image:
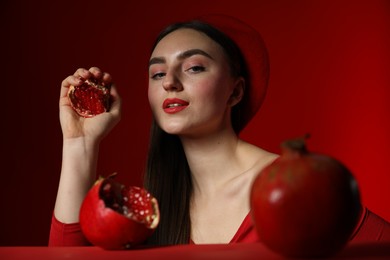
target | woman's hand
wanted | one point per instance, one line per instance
(94, 128)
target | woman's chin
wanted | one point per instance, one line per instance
(173, 129)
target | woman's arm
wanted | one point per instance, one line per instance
(81, 139)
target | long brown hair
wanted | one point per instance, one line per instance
(168, 176)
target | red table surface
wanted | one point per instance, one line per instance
(230, 251)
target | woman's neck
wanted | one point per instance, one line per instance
(213, 159)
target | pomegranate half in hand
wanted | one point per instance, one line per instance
(90, 98)
(305, 204)
(113, 216)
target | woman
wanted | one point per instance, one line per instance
(203, 89)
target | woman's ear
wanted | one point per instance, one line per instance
(238, 92)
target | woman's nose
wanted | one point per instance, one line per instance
(172, 83)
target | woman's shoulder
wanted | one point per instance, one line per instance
(258, 157)
(254, 159)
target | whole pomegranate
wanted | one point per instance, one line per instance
(113, 216)
(90, 98)
(304, 204)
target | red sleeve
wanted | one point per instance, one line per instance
(371, 227)
(246, 233)
(62, 234)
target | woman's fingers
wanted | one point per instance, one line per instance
(116, 101)
(106, 78)
(67, 82)
(83, 74)
(96, 72)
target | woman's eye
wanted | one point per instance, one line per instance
(158, 75)
(196, 69)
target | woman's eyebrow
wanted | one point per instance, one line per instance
(156, 60)
(192, 52)
(181, 56)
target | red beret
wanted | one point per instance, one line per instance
(255, 55)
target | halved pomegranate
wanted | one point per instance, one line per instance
(305, 204)
(90, 99)
(113, 216)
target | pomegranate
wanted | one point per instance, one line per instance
(90, 98)
(304, 204)
(113, 216)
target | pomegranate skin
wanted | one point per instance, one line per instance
(105, 227)
(305, 204)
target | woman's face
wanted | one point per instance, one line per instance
(190, 84)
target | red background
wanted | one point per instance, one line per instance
(330, 63)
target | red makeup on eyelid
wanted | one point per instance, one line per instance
(155, 69)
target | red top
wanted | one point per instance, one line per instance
(370, 227)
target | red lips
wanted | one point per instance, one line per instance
(174, 105)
